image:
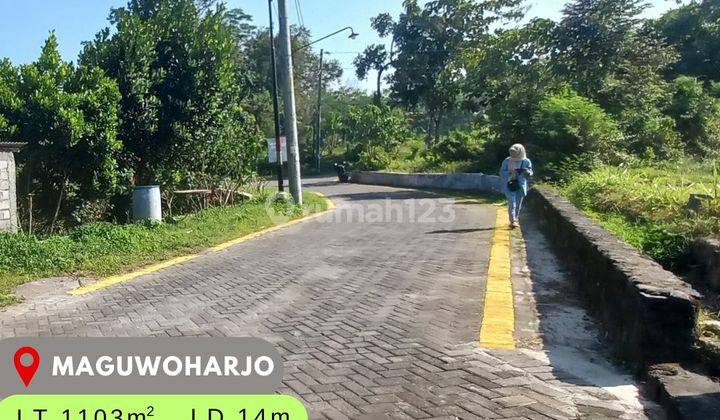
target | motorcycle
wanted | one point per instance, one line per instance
(342, 172)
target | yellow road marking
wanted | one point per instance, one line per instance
(121, 278)
(328, 202)
(109, 281)
(498, 323)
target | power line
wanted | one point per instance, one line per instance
(302, 15)
(298, 10)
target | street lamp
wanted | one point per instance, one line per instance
(352, 35)
(276, 113)
(318, 145)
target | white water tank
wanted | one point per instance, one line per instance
(147, 204)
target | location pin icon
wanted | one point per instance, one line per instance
(27, 372)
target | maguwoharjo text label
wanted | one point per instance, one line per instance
(141, 379)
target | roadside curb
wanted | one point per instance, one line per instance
(122, 278)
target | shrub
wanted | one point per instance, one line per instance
(646, 206)
(567, 123)
(697, 116)
(649, 129)
(572, 165)
(459, 145)
(375, 133)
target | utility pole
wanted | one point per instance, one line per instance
(286, 67)
(318, 140)
(276, 110)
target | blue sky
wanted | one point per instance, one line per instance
(25, 24)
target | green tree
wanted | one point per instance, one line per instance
(376, 57)
(183, 88)
(590, 38)
(569, 124)
(508, 75)
(9, 100)
(428, 42)
(69, 118)
(374, 133)
(697, 116)
(306, 63)
(337, 105)
(694, 31)
(607, 53)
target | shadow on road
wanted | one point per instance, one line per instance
(449, 231)
(389, 194)
(321, 182)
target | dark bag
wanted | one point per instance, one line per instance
(514, 184)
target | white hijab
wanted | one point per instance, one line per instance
(517, 156)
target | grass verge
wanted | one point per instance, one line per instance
(102, 249)
(647, 206)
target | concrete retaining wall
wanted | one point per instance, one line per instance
(706, 256)
(462, 182)
(650, 313)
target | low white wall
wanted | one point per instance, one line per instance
(462, 182)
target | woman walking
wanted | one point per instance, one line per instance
(514, 174)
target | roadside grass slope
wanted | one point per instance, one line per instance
(102, 249)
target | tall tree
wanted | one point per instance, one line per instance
(9, 100)
(183, 90)
(376, 57)
(429, 41)
(694, 31)
(508, 75)
(590, 38)
(697, 116)
(608, 54)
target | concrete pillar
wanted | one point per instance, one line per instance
(8, 198)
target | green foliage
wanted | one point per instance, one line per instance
(607, 55)
(9, 100)
(182, 115)
(68, 117)
(594, 38)
(650, 129)
(694, 31)
(377, 58)
(645, 205)
(427, 44)
(459, 146)
(162, 97)
(508, 76)
(374, 133)
(572, 165)
(697, 116)
(306, 63)
(659, 242)
(568, 124)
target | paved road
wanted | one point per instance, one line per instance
(376, 310)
